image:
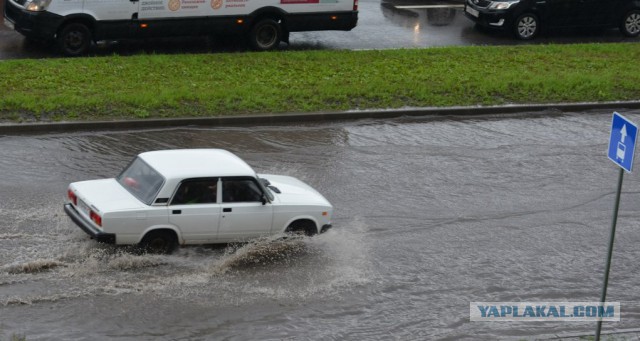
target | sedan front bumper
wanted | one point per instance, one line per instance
(484, 17)
(100, 236)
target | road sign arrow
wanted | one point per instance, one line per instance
(622, 141)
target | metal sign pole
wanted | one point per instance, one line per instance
(611, 239)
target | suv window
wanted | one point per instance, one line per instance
(241, 190)
(196, 192)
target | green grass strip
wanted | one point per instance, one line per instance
(196, 85)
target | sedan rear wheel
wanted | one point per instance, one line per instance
(631, 24)
(159, 242)
(526, 27)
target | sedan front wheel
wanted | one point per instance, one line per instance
(630, 25)
(526, 26)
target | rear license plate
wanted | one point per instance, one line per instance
(472, 11)
(83, 207)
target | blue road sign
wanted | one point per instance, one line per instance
(622, 142)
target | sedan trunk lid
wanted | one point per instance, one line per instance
(105, 195)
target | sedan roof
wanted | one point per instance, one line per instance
(196, 163)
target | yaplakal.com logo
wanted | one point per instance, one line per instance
(544, 311)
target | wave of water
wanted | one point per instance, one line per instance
(267, 267)
(37, 265)
(260, 252)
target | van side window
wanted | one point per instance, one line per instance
(196, 192)
(241, 190)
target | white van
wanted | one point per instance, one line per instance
(75, 24)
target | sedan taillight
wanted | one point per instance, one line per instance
(96, 218)
(72, 196)
(355, 5)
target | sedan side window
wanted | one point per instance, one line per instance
(196, 192)
(234, 190)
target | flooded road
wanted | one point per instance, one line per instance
(430, 215)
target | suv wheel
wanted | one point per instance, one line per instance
(526, 26)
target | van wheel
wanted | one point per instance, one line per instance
(159, 242)
(74, 39)
(265, 35)
(630, 25)
(526, 26)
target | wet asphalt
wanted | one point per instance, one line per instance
(366, 275)
(431, 214)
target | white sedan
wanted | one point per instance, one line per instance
(194, 196)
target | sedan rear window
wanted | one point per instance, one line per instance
(141, 180)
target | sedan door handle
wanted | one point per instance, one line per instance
(176, 212)
(228, 209)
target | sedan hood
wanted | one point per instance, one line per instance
(294, 191)
(106, 195)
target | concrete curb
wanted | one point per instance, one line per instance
(51, 127)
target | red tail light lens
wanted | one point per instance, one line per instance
(355, 5)
(96, 218)
(72, 196)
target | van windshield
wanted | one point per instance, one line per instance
(141, 180)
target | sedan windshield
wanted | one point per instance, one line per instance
(141, 180)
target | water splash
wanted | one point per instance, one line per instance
(7, 236)
(261, 251)
(38, 265)
(34, 299)
(125, 262)
(67, 265)
(347, 254)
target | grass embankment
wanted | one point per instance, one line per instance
(307, 81)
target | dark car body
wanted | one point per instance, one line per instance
(525, 18)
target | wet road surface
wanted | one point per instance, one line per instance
(381, 25)
(431, 214)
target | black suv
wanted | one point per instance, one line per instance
(525, 18)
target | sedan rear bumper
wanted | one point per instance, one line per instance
(100, 236)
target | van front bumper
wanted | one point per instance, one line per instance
(35, 25)
(108, 238)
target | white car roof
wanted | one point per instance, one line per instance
(196, 163)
